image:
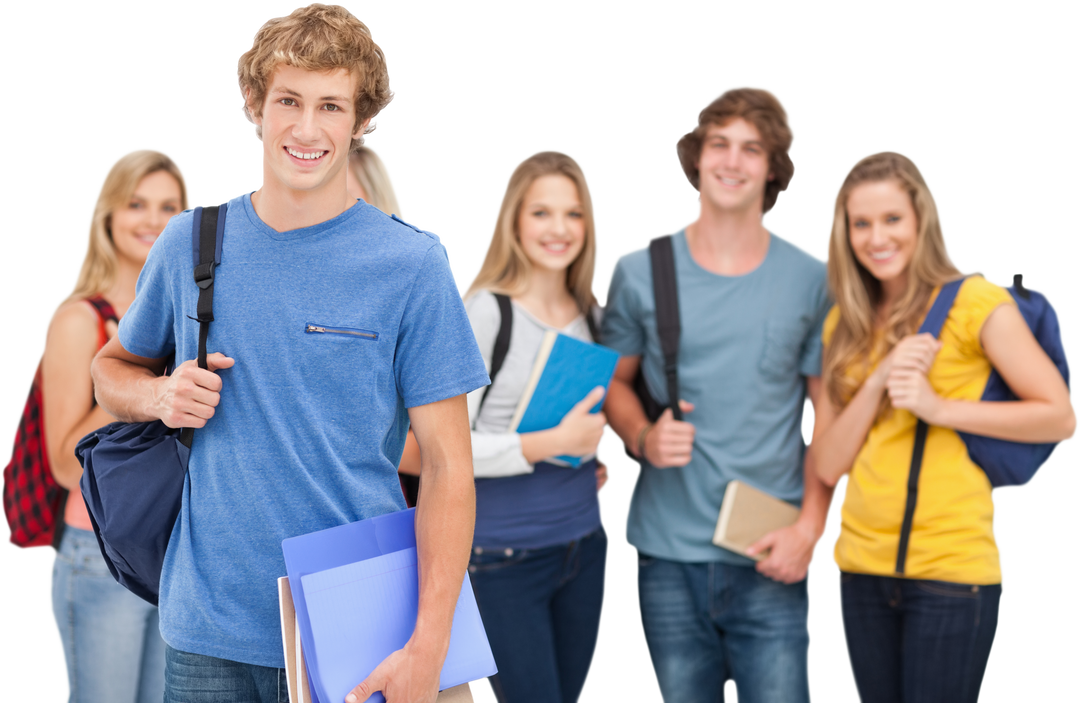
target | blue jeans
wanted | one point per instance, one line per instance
(916, 641)
(110, 636)
(541, 611)
(198, 678)
(709, 622)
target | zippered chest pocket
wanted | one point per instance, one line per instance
(369, 335)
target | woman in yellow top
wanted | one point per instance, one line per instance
(924, 634)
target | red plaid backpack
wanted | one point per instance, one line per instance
(33, 502)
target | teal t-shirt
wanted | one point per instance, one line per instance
(311, 424)
(747, 345)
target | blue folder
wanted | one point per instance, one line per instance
(568, 369)
(355, 591)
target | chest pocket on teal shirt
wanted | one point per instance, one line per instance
(783, 344)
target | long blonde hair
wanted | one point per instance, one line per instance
(99, 267)
(858, 294)
(371, 174)
(506, 267)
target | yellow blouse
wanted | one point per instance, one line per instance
(952, 536)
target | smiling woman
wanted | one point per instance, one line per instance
(538, 550)
(920, 593)
(110, 636)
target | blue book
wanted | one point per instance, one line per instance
(564, 372)
(355, 590)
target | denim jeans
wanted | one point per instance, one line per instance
(541, 610)
(110, 636)
(709, 622)
(916, 641)
(198, 678)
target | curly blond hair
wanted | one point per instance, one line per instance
(316, 38)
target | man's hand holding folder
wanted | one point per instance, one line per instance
(444, 527)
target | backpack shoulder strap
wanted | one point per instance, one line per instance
(594, 329)
(502, 342)
(666, 295)
(932, 324)
(207, 230)
(939, 311)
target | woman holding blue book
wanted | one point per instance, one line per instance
(538, 552)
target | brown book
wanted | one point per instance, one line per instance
(747, 515)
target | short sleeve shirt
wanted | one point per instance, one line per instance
(747, 345)
(311, 424)
(952, 535)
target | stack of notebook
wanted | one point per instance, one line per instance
(354, 591)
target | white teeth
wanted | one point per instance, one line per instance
(303, 155)
(882, 255)
(730, 181)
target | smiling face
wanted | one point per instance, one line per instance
(883, 230)
(135, 226)
(551, 223)
(307, 125)
(734, 166)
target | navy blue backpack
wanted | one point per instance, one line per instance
(1006, 463)
(133, 473)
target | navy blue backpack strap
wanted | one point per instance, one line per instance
(932, 324)
(502, 342)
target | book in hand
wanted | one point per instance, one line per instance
(296, 675)
(355, 592)
(747, 515)
(565, 371)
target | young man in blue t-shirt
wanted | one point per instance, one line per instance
(335, 328)
(751, 310)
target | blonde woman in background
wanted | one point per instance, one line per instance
(368, 180)
(537, 565)
(925, 634)
(111, 642)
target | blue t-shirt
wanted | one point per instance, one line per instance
(311, 426)
(747, 343)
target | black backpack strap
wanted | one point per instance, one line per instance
(666, 296)
(502, 342)
(934, 321)
(208, 226)
(594, 329)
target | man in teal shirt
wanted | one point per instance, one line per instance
(751, 311)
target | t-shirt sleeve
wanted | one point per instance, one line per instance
(810, 360)
(975, 301)
(622, 329)
(437, 356)
(147, 328)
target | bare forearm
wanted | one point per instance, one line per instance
(817, 496)
(832, 455)
(124, 390)
(537, 446)
(624, 412)
(62, 460)
(1018, 421)
(444, 529)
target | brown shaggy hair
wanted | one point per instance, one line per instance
(865, 331)
(761, 109)
(317, 38)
